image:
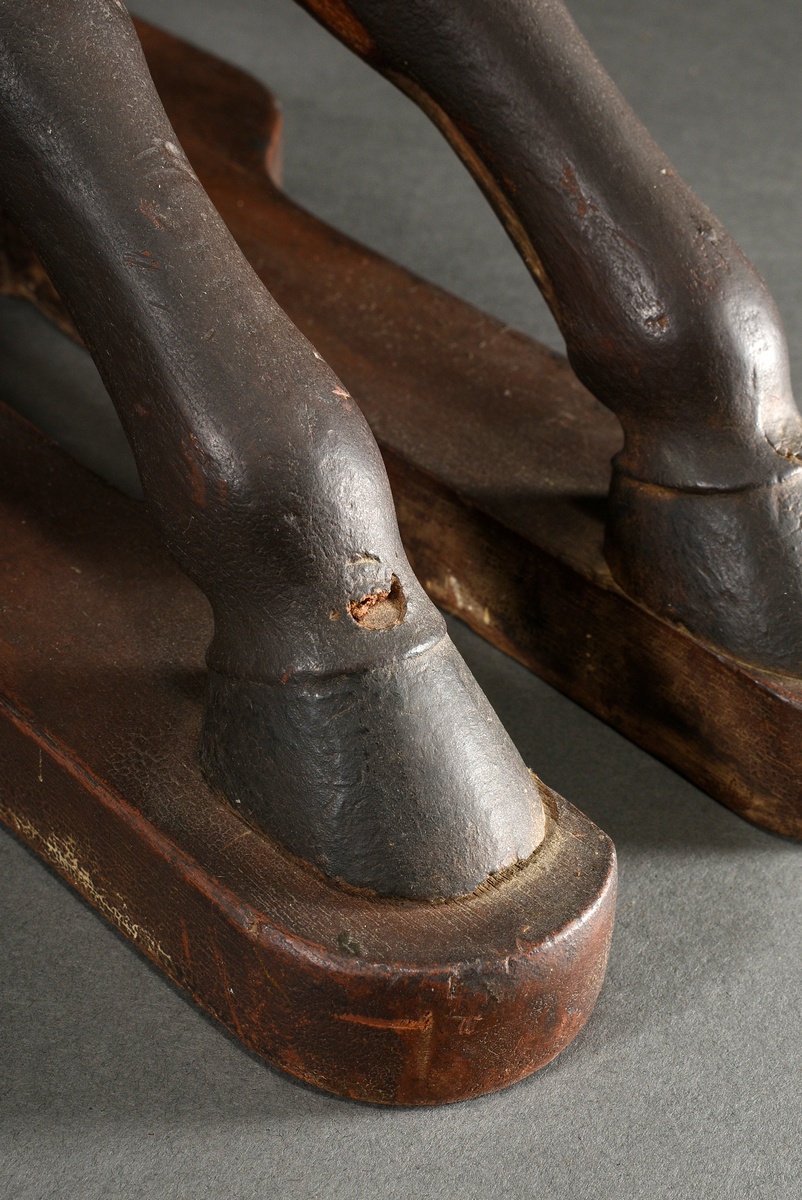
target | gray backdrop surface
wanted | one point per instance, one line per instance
(686, 1082)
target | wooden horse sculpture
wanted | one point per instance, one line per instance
(338, 719)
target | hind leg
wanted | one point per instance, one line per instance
(664, 319)
(339, 716)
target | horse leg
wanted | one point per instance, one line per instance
(664, 319)
(339, 716)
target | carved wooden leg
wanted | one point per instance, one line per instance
(664, 318)
(339, 716)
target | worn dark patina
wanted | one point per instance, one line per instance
(664, 319)
(488, 439)
(265, 482)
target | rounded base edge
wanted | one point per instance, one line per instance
(467, 997)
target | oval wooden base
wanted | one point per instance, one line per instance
(101, 686)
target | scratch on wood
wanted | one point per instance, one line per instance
(149, 209)
(425, 1046)
(185, 944)
(271, 980)
(467, 1024)
(424, 1025)
(456, 592)
(400, 1024)
(245, 833)
(228, 991)
(64, 854)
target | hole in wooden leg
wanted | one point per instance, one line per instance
(382, 609)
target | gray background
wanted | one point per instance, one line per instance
(686, 1083)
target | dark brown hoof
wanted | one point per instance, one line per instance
(725, 565)
(399, 779)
